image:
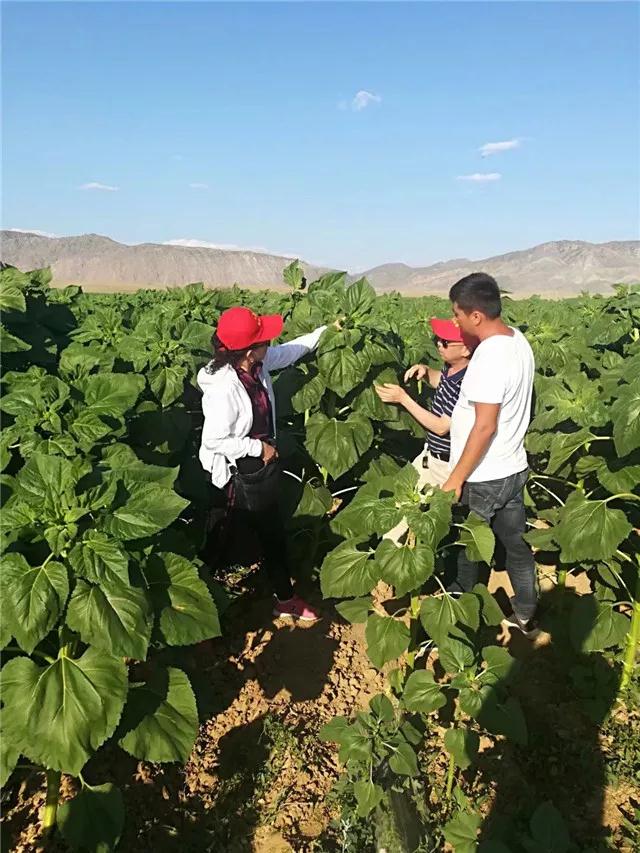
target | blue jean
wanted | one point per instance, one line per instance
(501, 504)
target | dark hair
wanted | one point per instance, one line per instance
(223, 356)
(478, 291)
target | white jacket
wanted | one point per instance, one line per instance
(228, 415)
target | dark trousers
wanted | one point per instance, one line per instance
(501, 504)
(269, 528)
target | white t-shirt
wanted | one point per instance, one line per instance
(501, 371)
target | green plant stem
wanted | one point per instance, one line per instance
(33, 654)
(324, 474)
(414, 627)
(51, 802)
(450, 772)
(633, 639)
(562, 577)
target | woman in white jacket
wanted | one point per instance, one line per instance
(239, 428)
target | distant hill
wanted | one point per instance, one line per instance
(560, 268)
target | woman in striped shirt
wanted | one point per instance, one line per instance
(433, 462)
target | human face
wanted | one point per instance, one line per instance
(258, 352)
(467, 323)
(451, 351)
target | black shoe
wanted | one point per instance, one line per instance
(529, 627)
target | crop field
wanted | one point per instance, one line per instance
(149, 700)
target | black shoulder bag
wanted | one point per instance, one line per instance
(254, 485)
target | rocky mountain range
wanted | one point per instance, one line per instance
(559, 268)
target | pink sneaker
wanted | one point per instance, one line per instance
(295, 608)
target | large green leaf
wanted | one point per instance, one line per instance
(406, 569)
(403, 760)
(348, 570)
(197, 336)
(422, 694)
(338, 445)
(431, 523)
(167, 383)
(88, 427)
(10, 342)
(455, 655)
(309, 395)
(596, 626)
(58, 715)
(387, 638)
(355, 610)
(502, 718)
(114, 617)
(589, 530)
(342, 369)
(499, 665)
(616, 475)
(368, 796)
(160, 722)
(94, 819)
(625, 413)
(45, 480)
(438, 614)
(372, 510)
(358, 298)
(462, 832)
(463, 745)
(11, 293)
(477, 539)
(564, 445)
(36, 596)
(549, 831)
(100, 559)
(9, 753)
(149, 509)
(182, 600)
(123, 462)
(112, 394)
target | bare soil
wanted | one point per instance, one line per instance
(259, 778)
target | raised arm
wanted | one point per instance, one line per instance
(282, 355)
(388, 393)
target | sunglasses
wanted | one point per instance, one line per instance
(440, 342)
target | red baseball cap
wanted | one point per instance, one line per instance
(446, 330)
(240, 328)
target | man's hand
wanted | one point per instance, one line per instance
(452, 486)
(269, 453)
(416, 371)
(389, 393)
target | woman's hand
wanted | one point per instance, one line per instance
(269, 453)
(417, 371)
(389, 393)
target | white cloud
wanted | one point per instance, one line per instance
(480, 177)
(32, 231)
(96, 185)
(227, 247)
(490, 148)
(362, 99)
(199, 186)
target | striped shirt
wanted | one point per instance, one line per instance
(444, 401)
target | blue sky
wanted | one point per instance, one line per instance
(241, 124)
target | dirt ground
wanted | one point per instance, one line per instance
(259, 779)
(257, 771)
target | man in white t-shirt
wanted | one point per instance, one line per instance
(488, 427)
